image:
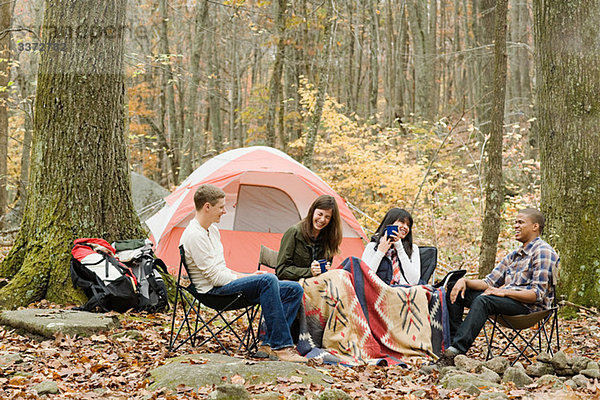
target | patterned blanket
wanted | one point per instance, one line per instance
(352, 317)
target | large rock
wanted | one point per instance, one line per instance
(560, 360)
(144, 193)
(539, 369)
(198, 370)
(551, 381)
(591, 373)
(464, 380)
(580, 363)
(466, 364)
(517, 376)
(580, 380)
(488, 375)
(493, 396)
(10, 359)
(47, 323)
(497, 364)
(46, 387)
(229, 392)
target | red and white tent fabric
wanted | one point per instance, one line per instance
(267, 191)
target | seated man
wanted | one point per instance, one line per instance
(280, 301)
(518, 285)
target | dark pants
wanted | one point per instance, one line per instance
(463, 333)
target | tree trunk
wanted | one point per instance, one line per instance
(374, 63)
(275, 83)
(423, 65)
(323, 66)
(5, 24)
(80, 184)
(187, 153)
(568, 105)
(494, 195)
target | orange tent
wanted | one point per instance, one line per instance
(267, 191)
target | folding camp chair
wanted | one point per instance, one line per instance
(267, 257)
(428, 255)
(543, 324)
(194, 324)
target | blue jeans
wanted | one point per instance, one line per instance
(463, 333)
(279, 301)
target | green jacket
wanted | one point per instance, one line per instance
(296, 255)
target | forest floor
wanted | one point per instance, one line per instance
(102, 366)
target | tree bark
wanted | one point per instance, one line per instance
(275, 83)
(80, 184)
(5, 24)
(494, 194)
(568, 106)
(313, 129)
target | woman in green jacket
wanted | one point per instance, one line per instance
(318, 236)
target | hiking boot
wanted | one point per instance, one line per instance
(446, 360)
(265, 351)
(289, 354)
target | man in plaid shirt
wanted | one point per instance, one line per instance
(519, 284)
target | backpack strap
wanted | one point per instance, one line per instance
(149, 266)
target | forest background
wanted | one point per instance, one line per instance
(389, 101)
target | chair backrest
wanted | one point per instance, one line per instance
(267, 257)
(428, 256)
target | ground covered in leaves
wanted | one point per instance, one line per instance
(113, 366)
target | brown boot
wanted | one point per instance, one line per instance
(265, 351)
(290, 354)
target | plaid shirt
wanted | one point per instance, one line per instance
(528, 268)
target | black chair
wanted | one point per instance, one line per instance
(542, 326)
(194, 324)
(428, 255)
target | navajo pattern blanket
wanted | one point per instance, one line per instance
(352, 317)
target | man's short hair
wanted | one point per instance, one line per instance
(207, 194)
(535, 216)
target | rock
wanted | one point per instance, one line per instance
(564, 372)
(519, 365)
(580, 380)
(296, 396)
(447, 370)
(493, 396)
(419, 394)
(144, 193)
(517, 376)
(497, 364)
(48, 322)
(46, 387)
(473, 390)
(229, 392)
(591, 373)
(220, 368)
(129, 334)
(579, 363)
(463, 380)
(10, 359)
(559, 360)
(333, 394)
(465, 363)
(570, 383)
(488, 375)
(592, 365)
(551, 381)
(544, 357)
(268, 396)
(539, 369)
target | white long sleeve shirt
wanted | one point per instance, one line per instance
(411, 266)
(204, 257)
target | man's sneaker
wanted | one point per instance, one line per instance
(289, 354)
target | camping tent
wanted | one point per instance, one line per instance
(266, 192)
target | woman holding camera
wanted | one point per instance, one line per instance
(391, 252)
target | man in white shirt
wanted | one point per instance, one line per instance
(279, 300)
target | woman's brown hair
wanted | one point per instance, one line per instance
(331, 235)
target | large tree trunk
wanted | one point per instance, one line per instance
(80, 185)
(323, 67)
(275, 83)
(5, 24)
(494, 194)
(568, 104)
